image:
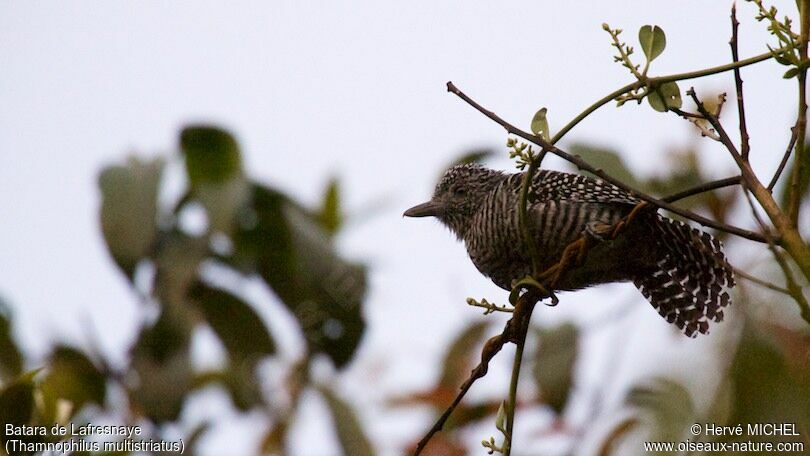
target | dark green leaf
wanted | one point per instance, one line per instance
(212, 154)
(239, 379)
(160, 358)
(608, 160)
(653, 41)
(294, 255)
(17, 402)
(350, 433)
(665, 96)
(18, 407)
(557, 350)
(791, 73)
(10, 357)
(330, 216)
(129, 210)
(540, 124)
(459, 356)
(238, 326)
(72, 376)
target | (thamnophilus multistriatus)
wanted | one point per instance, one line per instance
(682, 271)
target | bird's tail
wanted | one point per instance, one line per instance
(688, 285)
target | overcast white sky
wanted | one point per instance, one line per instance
(313, 89)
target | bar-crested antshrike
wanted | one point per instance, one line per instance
(682, 271)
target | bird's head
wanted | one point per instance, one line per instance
(458, 196)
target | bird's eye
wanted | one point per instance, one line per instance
(459, 191)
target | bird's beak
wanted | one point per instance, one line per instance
(429, 209)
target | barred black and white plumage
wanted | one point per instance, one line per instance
(682, 271)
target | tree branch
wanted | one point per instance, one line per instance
(794, 196)
(760, 282)
(785, 157)
(703, 188)
(582, 164)
(738, 83)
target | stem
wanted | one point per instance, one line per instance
(513, 386)
(785, 157)
(657, 81)
(794, 198)
(760, 282)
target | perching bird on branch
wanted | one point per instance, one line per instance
(682, 271)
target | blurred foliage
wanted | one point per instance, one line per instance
(553, 371)
(255, 231)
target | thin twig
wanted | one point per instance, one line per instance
(785, 157)
(738, 83)
(686, 114)
(703, 188)
(582, 164)
(760, 282)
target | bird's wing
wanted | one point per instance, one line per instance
(558, 186)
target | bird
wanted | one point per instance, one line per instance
(682, 271)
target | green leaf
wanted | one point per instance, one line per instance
(500, 418)
(666, 405)
(211, 153)
(215, 172)
(160, 358)
(459, 356)
(72, 376)
(17, 402)
(791, 73)
(350, 433)
(129, 210)
(540, 124)
(653, 41)
(608, 160)
(665, 96)
(10, 357)
(557, 350)
(237, 325)
(329, 216)
(296, 258)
